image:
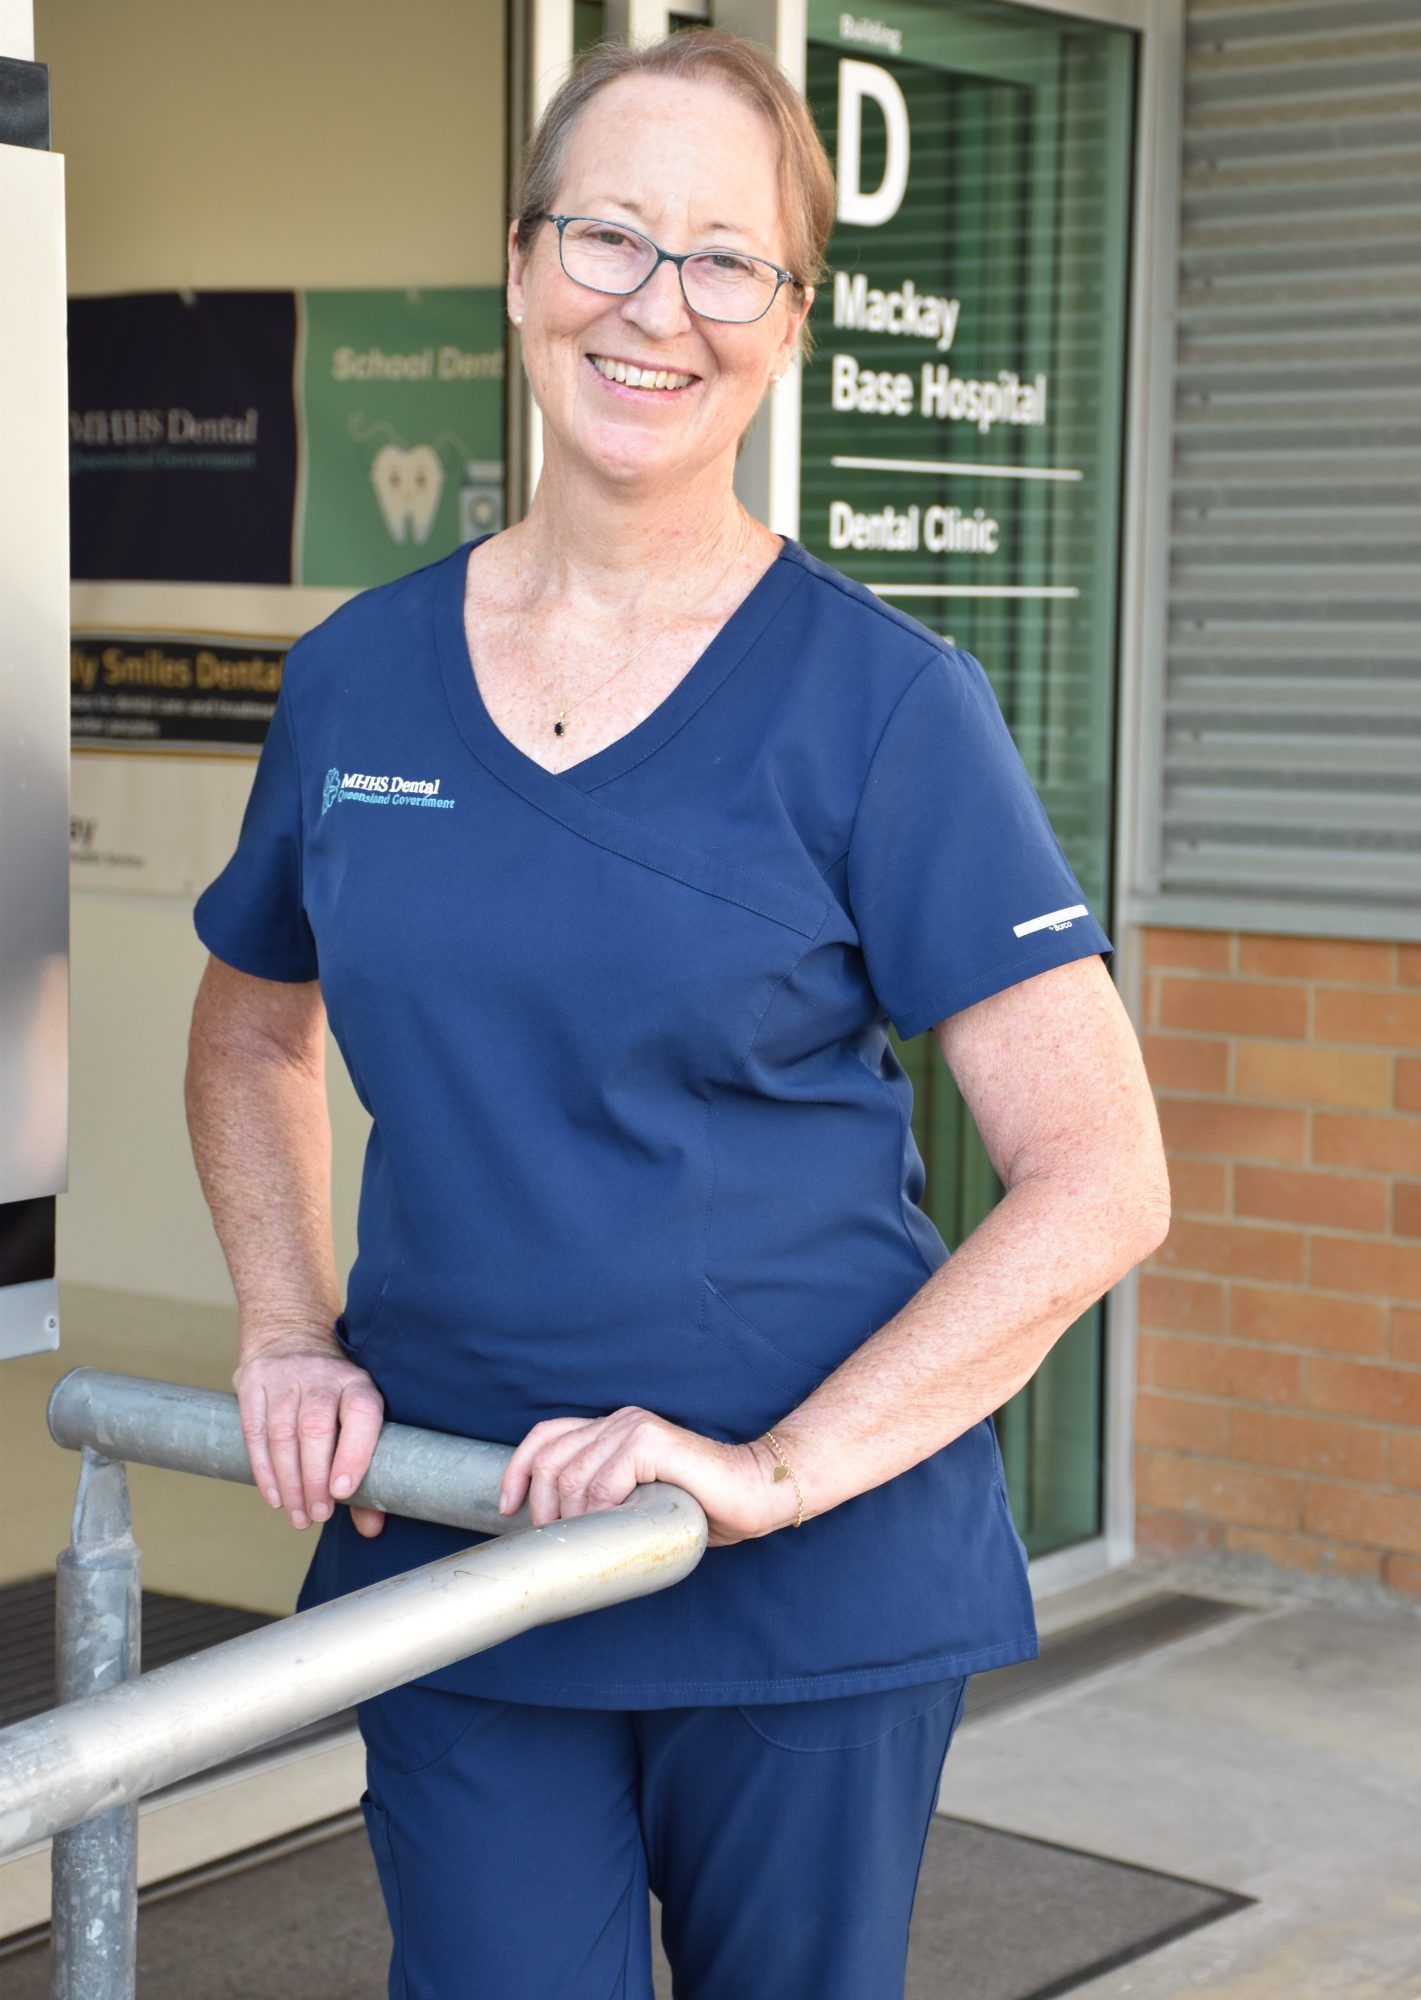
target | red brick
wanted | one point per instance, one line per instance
(1408, 969)
(1339, 1559)
(1199, 951)
(1373, 1389)
(1405, 1335)
(1220, 1492)
(1386, 1020)
(1185, 1062)
(1405, 1459)
(1406, 1214)
(1408, 1083)
(1197, 1187)
(1308, 1444)
(1387, 1144)
(1402, 1573)
(1233, 1249)
(1189, 1305)
(1233, 1007)
(1176, 1534)
(1305, 1552)
(1238, 1131)
(1149, 1001)
(1336, 1201)
(1179, 1423)
(1355, 1077)
(1223, 1368)
(1360, 963)
(1359, 1514)
(1308, 1319)
(1369, 1264)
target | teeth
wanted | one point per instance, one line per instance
(639, 378)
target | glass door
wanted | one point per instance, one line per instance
(962, 454)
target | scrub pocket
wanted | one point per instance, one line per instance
(849, 1721)
(412, 1727)
(352, 1330)
(742, 1376)
(378, 1830)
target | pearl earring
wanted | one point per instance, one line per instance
(518, 319)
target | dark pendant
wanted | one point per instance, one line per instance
(557, 729)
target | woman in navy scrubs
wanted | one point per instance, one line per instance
(609, 846)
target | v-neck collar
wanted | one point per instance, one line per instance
(488, 742)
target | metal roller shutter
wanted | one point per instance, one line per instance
(1292, 741)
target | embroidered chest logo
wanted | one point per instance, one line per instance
(365, 788)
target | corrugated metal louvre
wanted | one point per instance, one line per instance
(1292, 761)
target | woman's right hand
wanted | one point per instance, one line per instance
(310, 1419)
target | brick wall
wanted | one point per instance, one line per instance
(1280, 1321)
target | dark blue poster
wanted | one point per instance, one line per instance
(182, 445)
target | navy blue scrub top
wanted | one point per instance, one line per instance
(638, 1134)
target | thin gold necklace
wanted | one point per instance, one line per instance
(560, 726)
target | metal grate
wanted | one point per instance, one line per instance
(173, 1627)
(176, 1626)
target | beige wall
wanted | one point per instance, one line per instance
(278, 144)
(273, 145)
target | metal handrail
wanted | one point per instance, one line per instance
(429, 1475)
(77, 1771)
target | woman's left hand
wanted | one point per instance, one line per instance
(574, 1465)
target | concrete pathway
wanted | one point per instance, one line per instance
(1277, 1755)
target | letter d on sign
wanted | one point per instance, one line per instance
(858, 80)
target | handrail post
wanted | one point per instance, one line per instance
(94, 1866)
(76, 1773)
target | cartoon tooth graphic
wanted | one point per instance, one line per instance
(408, 484)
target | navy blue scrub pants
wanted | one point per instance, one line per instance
(516, 1844)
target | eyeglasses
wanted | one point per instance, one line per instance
(716, 284)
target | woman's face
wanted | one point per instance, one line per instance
(692, 166)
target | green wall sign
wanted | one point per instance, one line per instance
(400, 411)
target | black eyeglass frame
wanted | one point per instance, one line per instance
(680, 260)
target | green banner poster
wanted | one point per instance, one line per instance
(400, 428)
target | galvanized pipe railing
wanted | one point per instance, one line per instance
(94, 1867)
(100, 1752)
(427, 1474)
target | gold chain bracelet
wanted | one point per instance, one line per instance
(785, 1470)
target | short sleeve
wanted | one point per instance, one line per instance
(956, 880)
(251, 916)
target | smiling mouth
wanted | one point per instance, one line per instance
(667, 380)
